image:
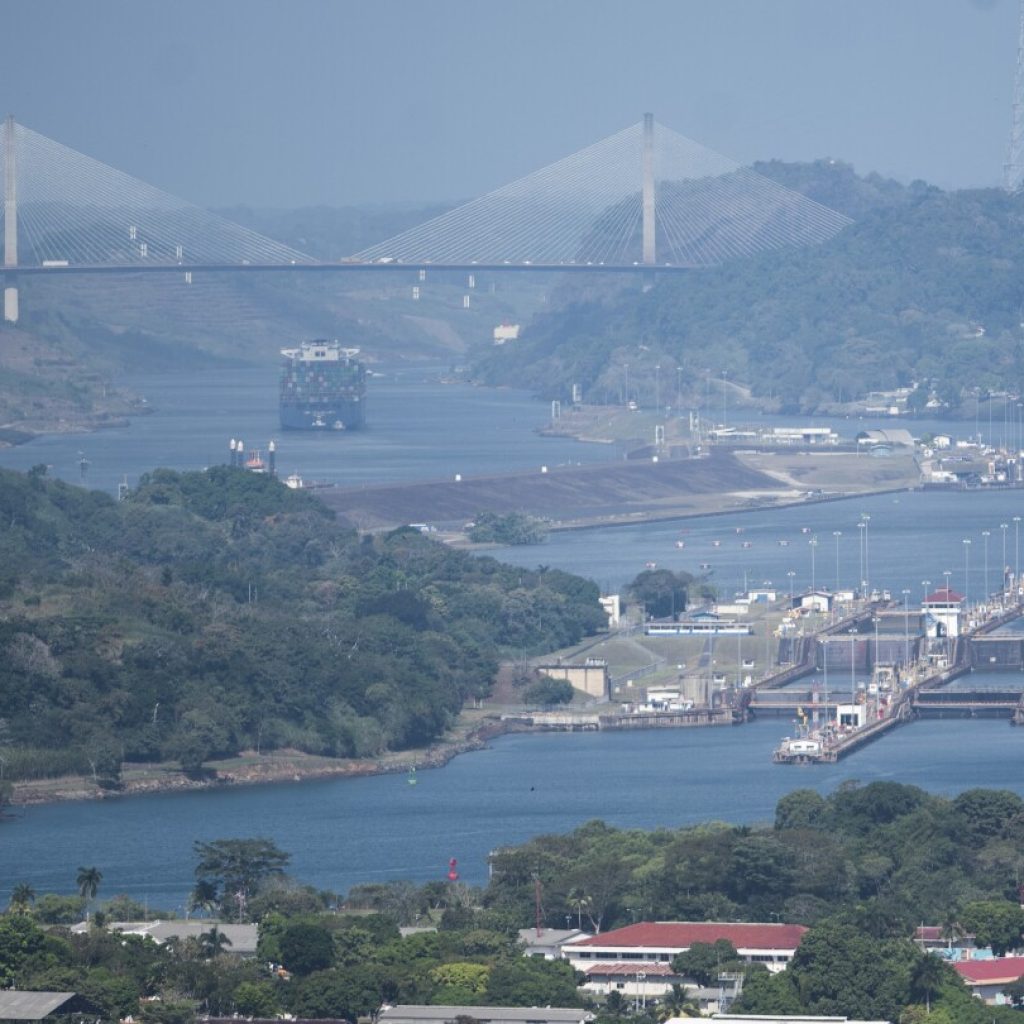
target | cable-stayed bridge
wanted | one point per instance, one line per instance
(644, 199)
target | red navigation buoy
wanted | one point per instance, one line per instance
(453, 875)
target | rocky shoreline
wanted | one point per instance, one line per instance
(251, 769)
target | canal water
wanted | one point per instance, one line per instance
(343, 832)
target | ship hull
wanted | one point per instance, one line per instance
(323, 417)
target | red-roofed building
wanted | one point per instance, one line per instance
(942, 610)
(640, 981)
(658, 942)
(987, 978)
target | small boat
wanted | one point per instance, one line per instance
(411, 777)
(680, 544)
(783, 543)
(650, 565)
(705, 565)
(739, 529)
(748, 544)
(716, 543)
(805, 529)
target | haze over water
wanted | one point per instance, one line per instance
(343, 832)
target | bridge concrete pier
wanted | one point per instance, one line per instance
(10, 223)
(649, 249)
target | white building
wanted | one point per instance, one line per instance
(943, 610)
(658, 942)
(506, 332)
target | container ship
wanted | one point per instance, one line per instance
(323, 387)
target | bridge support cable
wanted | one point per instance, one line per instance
(643, 196)
(71, 210)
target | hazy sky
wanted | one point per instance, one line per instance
(299, 102)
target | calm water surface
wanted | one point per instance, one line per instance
(347, 831)
(355, 830)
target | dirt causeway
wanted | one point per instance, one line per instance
(629, 491)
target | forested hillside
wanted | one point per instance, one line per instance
(924, 286)
(220, 611)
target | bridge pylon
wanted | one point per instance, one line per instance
(648, 219)
(10, 223)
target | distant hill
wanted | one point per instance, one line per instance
(925, 286)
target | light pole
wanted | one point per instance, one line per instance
(875, 659)
(860, 551)
(837, 534)
(967, 570)
(725, 393)
(1004, 527)
(679, 389)
(813, 543)
(1016, 552)
(925, 584)
(985, 535)
(790, 573)
(906, 629)
(625, 367)
(867, 550)
(657, 389)
(853, 675)
(824, 668)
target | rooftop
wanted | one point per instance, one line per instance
(998, 970)
(944, 596)
(486, 1014)
(17, 1005)
(631, 970)
(683, 934)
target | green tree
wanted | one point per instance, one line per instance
(532, 981)
(256, 999)
(926, 978)
(838, 969)
(704, 961)
(88, 882)
(237, 867)
(349, 993)
(169, 1012)
(20, 939)
(660, 592)
(22, 898)
(306, 948)
(548, 691)
(995, 923)
(203, 897)
(803, 808)
(213, 943)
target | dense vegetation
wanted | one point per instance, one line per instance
(861, 867)
(220, 611)
(902, 295)
(512, 528)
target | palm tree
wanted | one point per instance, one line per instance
(677, 1003)
(88, 881)
(203, 897)
(22, 897)
(579, 901)
(926, 978)
(212, 943)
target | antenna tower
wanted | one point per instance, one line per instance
(1013, 172)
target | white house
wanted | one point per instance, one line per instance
(658, 942)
